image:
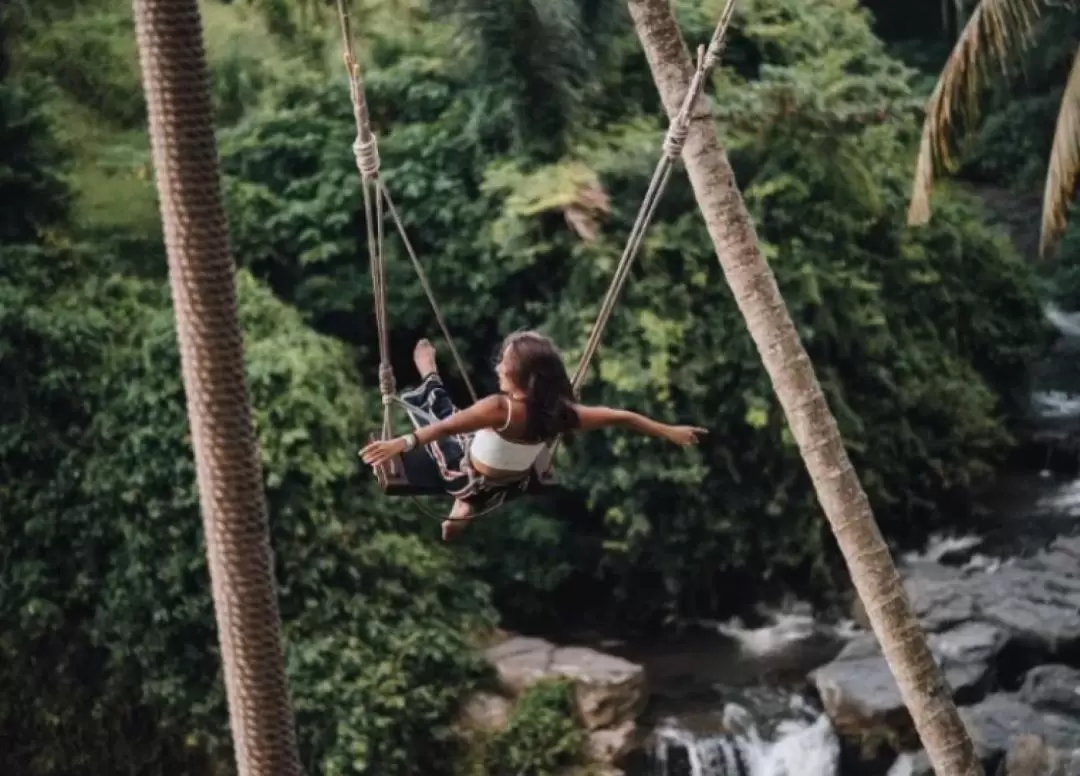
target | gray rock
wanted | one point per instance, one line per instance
(1011, 739)
(1001, 719)
(940, 595)
(1053, 688)
(859, 693)
(1030, 756)
(1036, 600)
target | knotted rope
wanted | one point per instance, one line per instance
(376, 196)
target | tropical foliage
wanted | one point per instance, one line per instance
(518, 170)
(996, 36)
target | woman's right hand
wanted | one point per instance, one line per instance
(382, 450)
(684, 436)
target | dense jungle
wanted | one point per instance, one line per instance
(518, 138)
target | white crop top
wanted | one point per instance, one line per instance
(490, 449)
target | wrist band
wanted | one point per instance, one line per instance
(410, 442)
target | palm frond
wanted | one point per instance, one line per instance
(1064, 163)
(997, 31)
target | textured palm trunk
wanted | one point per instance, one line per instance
(921, 683)
(202, 275)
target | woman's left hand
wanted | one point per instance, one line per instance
(382, 450)
(684, 436)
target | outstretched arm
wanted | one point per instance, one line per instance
(593, 418)
(486, 413)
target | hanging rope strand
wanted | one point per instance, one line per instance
(622, 271)
(426, 284)
(674, 141)
(365, 137)
(366, 150)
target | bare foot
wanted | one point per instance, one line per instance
(424, 357)
(460, 515)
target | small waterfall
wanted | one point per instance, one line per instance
(799, 747)
(1068, 323)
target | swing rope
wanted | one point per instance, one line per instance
(674, 141)
(376, 195)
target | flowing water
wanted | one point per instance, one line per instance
(731, 700)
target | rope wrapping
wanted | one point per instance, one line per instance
(367, 157)
(387, 383)
(229, 478)
(674, 141)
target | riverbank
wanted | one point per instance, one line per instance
(802, 696)
(805, 693)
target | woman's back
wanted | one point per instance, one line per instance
(507, 448)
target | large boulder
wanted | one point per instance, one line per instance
(1053, 688)
(1001, 719)
(608, 689)
(1029, 755)
(860, 696)
(1035, 600)
(609, 692)
(1012, 739)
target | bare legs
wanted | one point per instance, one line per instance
(424, 358)
(459, 519)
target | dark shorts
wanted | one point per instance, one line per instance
(451, 454)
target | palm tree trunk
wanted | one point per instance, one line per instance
(921, 683)
(202, 276)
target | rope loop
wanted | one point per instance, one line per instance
(367, 157)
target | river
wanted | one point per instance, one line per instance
(732, 700)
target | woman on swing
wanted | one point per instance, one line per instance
(485, 452)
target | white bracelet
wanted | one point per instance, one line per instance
(410, 442)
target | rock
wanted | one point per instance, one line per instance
(860, 695)
(520, 662)
(612, 745)
(997, 722)
(1036, 600)
(607, 689)
(1053, 688)
(485, 712)
(1011, 739)
(940, 595)
(1030, 756)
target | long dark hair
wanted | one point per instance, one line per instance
(536, 367)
